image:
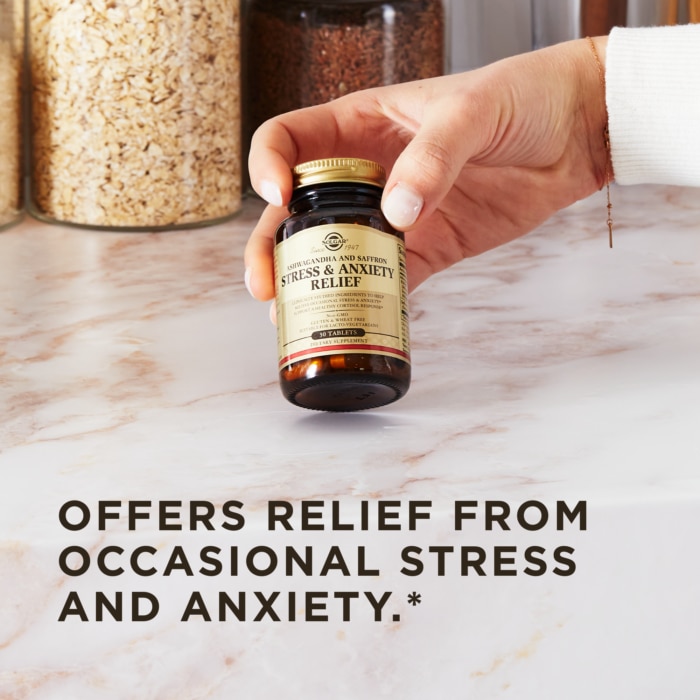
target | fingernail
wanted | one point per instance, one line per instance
(273, 312)
(246, 279)
(271, 193)
(402, 206)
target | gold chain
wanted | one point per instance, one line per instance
(606, 139)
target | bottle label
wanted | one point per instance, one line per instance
(341, 288)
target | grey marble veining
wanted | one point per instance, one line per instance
(136, 368)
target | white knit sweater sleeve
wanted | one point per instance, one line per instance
(653, 96)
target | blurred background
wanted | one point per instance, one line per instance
(483, 31)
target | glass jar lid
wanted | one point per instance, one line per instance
(358, 170)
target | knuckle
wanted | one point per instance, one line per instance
(433, 158)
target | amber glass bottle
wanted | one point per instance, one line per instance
(341, 295)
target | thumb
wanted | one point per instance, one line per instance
(427, 168)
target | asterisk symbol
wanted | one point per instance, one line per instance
(414, 599)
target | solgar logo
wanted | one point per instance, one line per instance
(334, 241)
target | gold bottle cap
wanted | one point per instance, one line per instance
(339, 170)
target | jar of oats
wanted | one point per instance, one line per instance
(305, 52)
(136, 112)
(11, 50)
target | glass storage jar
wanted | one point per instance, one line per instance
(136, 112)
(306, 52)
(11, 52)
(554, 21)
(560, 20)
(694, 11)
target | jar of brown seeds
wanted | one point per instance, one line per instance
(306, 52)
(11, 50)
(136, 112)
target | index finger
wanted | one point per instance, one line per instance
(342, 128)
(258, 255)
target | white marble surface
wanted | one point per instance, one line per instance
(136, 367)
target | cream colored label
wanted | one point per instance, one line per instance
(341, 288)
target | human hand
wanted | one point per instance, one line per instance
(474, 159)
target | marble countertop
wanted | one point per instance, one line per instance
(553, 374)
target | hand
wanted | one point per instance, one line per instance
(475, 159)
